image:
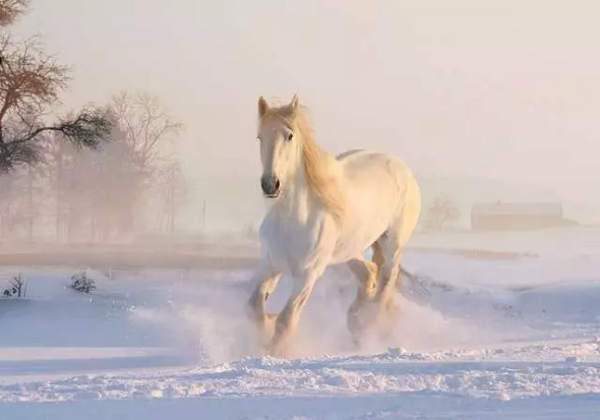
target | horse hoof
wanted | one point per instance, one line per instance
(357, 341)
(277, 352)
(279, 347)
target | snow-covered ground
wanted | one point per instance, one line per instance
(502, 339)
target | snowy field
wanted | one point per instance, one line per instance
(514, 338)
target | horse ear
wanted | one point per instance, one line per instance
(294, 103)
(263, 106)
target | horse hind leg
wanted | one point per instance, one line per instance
(391, 246)
(366, 276)
(385, 304)
(387, 255)
(362, 313)
(377, 258)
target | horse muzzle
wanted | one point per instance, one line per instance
(270, 185)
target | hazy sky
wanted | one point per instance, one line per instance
(506, 89)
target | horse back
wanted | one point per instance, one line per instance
(348, 153)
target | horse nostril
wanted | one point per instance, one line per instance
(270, 185)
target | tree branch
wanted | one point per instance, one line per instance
(10, 10)
(89, 129)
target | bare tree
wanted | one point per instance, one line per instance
(107, 196)
(442, 213)
(30, 84)
(70, 187)
(150, 134)
(96, 195)
(173, 190)
(148, 127)
(11, 188)
(10, 10)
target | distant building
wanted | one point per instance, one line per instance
(517, 216)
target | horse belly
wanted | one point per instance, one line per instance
(373, 194)
(351, 246)
(366, 224)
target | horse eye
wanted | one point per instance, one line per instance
(290, 136)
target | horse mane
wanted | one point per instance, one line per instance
(319, 166)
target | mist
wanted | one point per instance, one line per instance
(132, 269)
(500, 95)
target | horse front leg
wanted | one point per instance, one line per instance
(266, 280)
(287, 320)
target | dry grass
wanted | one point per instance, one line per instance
(480, 254)
(179, 256)
(131, 256)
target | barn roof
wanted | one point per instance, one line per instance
(531, 209)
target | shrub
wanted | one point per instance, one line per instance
(17, 288)
(82, 283)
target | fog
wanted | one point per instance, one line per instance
(132, 273)
(505, 90)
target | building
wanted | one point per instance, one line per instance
(517, 216)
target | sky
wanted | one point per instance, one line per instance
(465, 88)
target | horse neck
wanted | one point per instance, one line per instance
(297, 191)
(303, 195)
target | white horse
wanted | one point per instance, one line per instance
(327, 210)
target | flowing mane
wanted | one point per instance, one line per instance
(319, 166)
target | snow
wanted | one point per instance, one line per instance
(515, 338)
